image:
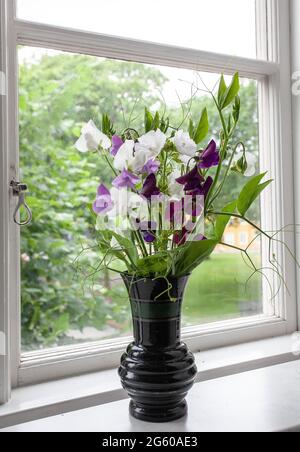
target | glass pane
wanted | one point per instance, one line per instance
(64, 299)
(218, 26)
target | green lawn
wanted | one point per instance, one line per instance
(217, 290)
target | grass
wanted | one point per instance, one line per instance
(217, 290)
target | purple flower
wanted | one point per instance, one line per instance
(126, 180)
(203, 189)
(210, 157)
(206, 186)
(117, 142)
(103, 203)
(180, 237)
(150, 188)
(151, 167)
(148, 229)
(192, 180)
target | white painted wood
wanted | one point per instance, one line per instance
(295, 42)
(69, 40)
(277, 157)
(14, 230)
(9, 267)
(53, 398)
(4, 208)
(265, 400)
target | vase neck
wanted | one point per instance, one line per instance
(156, 324)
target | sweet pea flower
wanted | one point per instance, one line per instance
(126, 180)
(191, 180)
(91, 138)
(204, 190)
(150, 188)
(117, 142)
(184, 144)
(151, 143)
(210, 157)
(125, 156)
(104, 202)
(151, 167)
(130, 159)
(148, 229)
(180, 237)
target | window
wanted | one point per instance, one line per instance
(194, 26)
(66, 330)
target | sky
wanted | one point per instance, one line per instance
(224, 26)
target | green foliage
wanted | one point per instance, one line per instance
(193, 255)
(203, 127)
(251, 192)
(227, 95)
(223, 220)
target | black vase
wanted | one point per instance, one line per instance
(157, 371)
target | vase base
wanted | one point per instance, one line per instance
(158, 414)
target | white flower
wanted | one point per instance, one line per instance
(251, 163)
(176, 191)
(184, 144)
(131, 158)
(152, 143)
(91, 138)
(125, 156)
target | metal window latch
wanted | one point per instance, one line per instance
(19, 189)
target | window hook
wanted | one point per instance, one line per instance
(19, 190)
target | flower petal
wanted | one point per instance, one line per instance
(126, 179)
(117, 142)
(150, 188)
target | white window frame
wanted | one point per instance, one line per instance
(273, 73)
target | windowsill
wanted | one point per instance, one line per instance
(263, 400)
(86, 391)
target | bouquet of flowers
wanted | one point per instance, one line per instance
(159, 217)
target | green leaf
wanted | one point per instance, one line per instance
(203, 128)
(251, 192)
(236, 109)
(231, 92)
(128, 247)
(222, 90)
(164, 125)
(107, 126)
(193, 255)
(156, 121)
(223, 220)
(148, 120)
(158, 263)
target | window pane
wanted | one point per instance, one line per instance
(219, 26)
(64, 299)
